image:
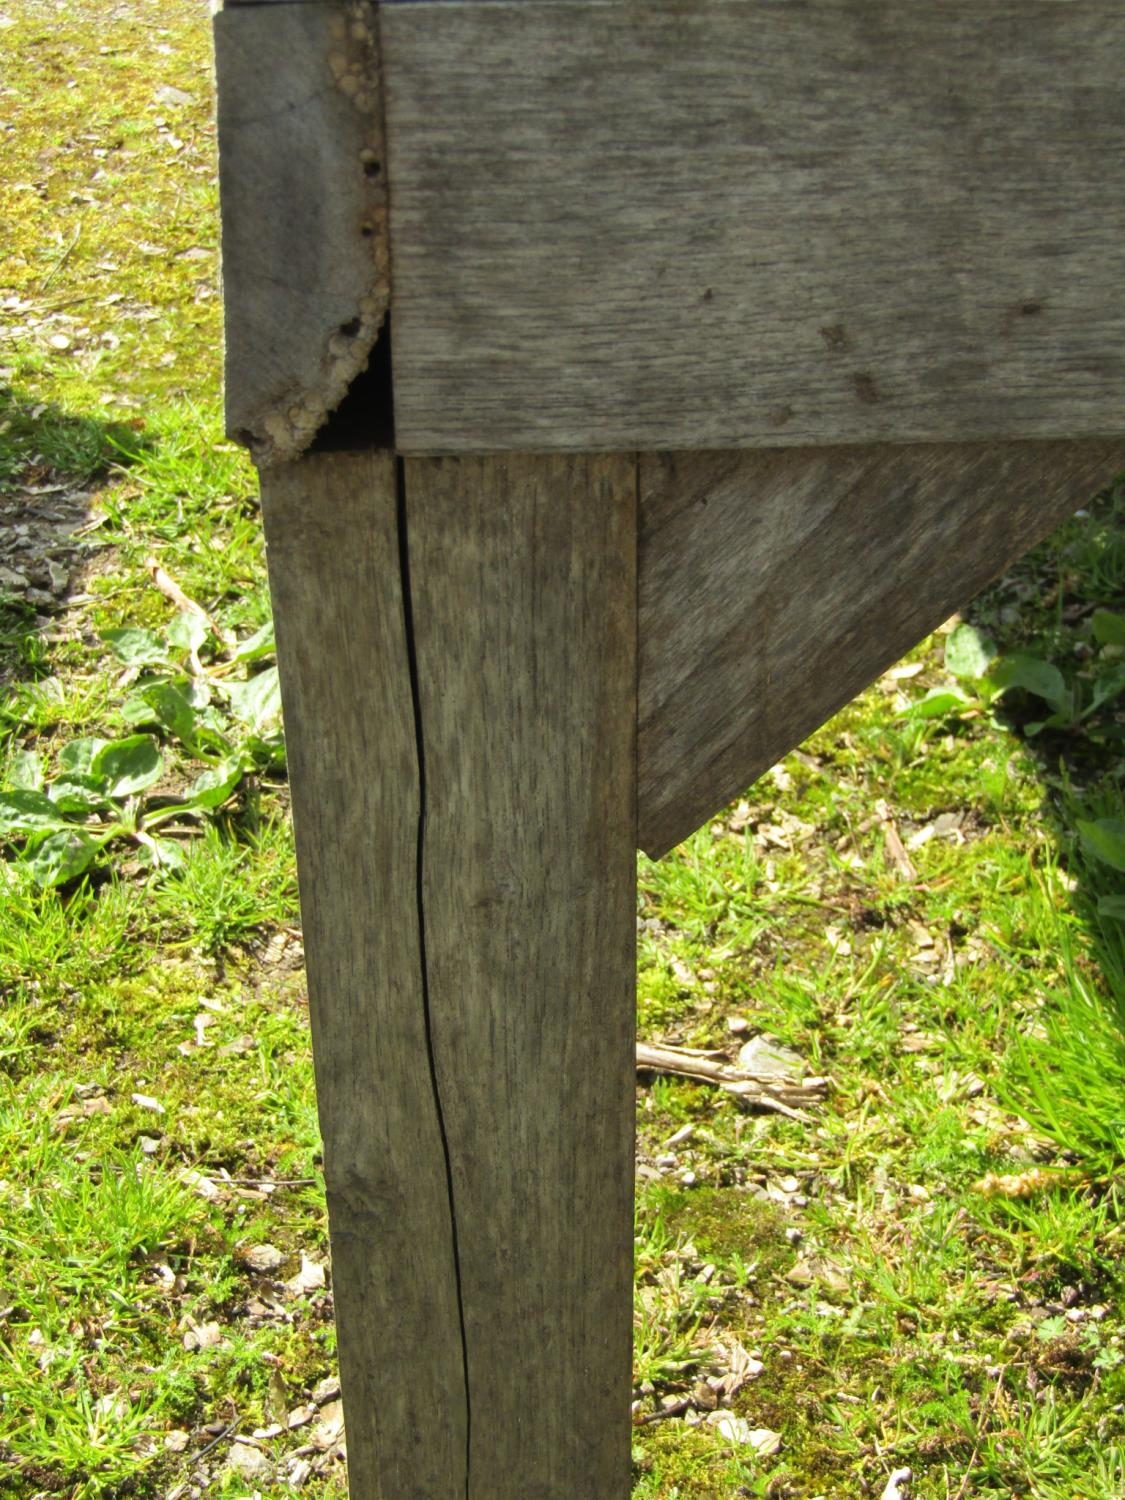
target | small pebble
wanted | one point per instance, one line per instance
(263, 1258)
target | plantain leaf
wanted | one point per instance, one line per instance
(968, 653)
(1105, 840)
(60, 857)
(23, 811)
(261, 643)
(256, 702)
(136, 647)
(1041, 678)
(78, 756)
(939, 703)
(214, 786)
(1108, 628)
(188, 631)
(26, 771)
(162, 854)
(171, 709)
(78, 796)
(128, 766)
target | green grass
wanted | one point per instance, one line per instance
(927, 1270)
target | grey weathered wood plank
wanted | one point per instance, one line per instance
(305, 263)
(775, 586)
(522, 576)
(334, 573)
(747, 223)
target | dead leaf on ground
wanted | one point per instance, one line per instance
(277, 1404)
(763, 1440)
(203, 1336)
(892, 843)
(738, 1366)
(249, 1462)
(765, 1056)
(813, 1270)
(330, 1428)
(84, 1110)
(310, 1278)
(202, 1185)
(898, 1485)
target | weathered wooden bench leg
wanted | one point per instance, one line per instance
(457, 642)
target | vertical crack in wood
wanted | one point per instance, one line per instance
(416, 698)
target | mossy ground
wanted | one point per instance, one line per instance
(157, 1116)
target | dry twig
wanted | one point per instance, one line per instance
(892, 840)
(783, 1096)
(183, 602)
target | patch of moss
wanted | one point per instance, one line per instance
(723, 1222)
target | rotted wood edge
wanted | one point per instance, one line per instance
(306, 264)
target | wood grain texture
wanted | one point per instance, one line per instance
(774, 586)
(748, 223)
(522, 579)
(303, 191)
(334, 574)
